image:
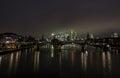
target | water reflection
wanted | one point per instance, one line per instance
(36, 61)
(10, 62)
(72, 57)
(106, 61)
(84, 60)
(52, 51)
(0, 60)
(17, 59)
(109, 60)
(103, 59)
(64, 63)
(13, 61)
(60, 63)
(60, 58)
(91, 56)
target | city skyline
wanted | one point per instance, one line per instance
(35, 18)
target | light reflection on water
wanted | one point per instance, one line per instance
(52, 52)
(13, 62)
(36, 61)
(63, 63)
(10, 62)
(84, 61)
(0, 60)
(106, 61)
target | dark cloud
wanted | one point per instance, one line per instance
(45, 16)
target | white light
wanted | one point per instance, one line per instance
(7, 42)
(52, 34)
(86, 53)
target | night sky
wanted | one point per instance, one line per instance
(36, 17)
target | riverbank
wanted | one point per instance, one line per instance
(13, 50)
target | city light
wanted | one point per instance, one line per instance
(52, 34)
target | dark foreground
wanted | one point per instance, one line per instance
(66, 63)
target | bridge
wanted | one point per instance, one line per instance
(56, 42)
(82, 43)
(78, 42)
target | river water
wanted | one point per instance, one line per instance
(68, 62)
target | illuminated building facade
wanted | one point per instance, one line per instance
(67, 36)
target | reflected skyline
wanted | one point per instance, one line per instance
(64, 63)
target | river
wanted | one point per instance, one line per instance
(69, 62)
